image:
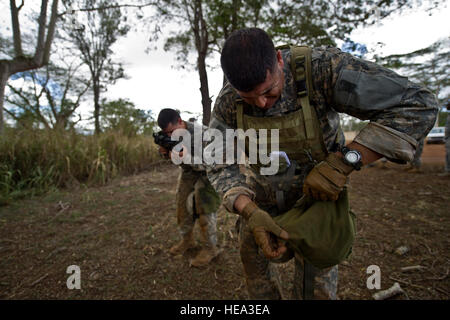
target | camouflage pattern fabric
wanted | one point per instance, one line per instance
(207, 202)
(193, 178)
(325, 286)
(400, 117)
(185, 185)
(417, 161)
(447, 143)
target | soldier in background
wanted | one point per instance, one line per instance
(447, 142)
(195, 198)
(262, 91)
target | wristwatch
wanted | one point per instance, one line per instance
(352, 157)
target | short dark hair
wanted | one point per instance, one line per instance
(246, 56)
(167, 116)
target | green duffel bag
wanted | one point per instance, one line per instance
(322, 232)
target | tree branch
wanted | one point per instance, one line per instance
(139, 6)
(18, 120)
(88, 85)
(21, 5)
(20, 94)
(16, 28)
(50, 31)
(39, 53)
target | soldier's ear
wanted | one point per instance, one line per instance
(280, 59)
(181, 123)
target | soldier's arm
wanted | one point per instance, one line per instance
(401, 113)
(227, 180)
(237, 196)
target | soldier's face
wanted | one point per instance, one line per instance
(267, 93)
(171, 127)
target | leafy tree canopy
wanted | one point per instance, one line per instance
(122, 115)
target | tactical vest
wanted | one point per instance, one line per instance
(321, 231)
(300, 135)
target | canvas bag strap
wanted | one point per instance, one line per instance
(301, 68)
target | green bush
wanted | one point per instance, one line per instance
(33, 162)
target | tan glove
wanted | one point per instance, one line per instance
(327, 179)
(262, 224)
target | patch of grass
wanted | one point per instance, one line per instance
(36, 162)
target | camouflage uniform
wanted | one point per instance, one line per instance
(447, 143)
(195, 181)
(193, 178)
(401, 113)
(417, 161)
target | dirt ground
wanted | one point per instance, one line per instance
(119, 236)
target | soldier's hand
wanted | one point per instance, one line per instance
(262, 225)
(327, 179)
(163, 152)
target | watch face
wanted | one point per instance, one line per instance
(352, 157)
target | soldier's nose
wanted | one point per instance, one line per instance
(261, 102)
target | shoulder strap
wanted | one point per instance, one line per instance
(301, 69)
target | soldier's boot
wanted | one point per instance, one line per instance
(205, 256)
(413, 167)
(186, 243)
(414, 170)
(207, 223)
(407, 167)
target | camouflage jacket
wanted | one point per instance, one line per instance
(195, 130)
(400, 113)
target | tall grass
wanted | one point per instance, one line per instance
(32, 162)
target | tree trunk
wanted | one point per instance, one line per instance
(204, 89)
(8, 68)
(21, 63)
(234, 15)
(96, 87)
(201, 44)
(4, 75)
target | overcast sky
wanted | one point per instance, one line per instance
(154, 84)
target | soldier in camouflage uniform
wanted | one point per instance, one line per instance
(400, 113)
(195, 198)
(447, 142)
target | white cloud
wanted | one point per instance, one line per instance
(405, 33)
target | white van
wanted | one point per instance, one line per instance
(436, 135)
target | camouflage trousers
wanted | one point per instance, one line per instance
(263, 280)
(417, 161)
(206, 204)
(447, 144)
